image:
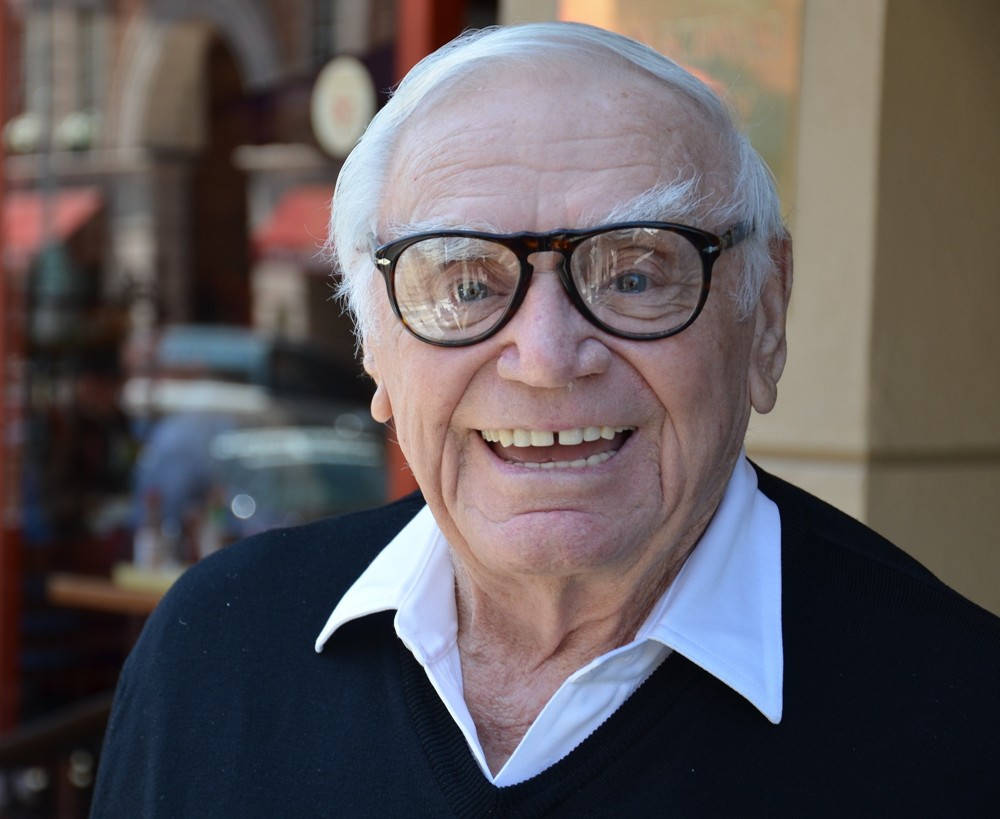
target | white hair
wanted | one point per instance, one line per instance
(362, 182)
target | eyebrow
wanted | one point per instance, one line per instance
(675, 201)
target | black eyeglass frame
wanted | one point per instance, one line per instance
(522, 245)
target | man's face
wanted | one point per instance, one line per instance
(523, 155)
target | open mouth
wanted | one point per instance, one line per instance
(572, 448)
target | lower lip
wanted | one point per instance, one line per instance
(581, 463)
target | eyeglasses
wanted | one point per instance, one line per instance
(635, 280)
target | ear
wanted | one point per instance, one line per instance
(767, 359)
(381, 406)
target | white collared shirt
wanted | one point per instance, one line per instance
(722, 612)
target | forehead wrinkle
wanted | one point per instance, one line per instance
(457, 205)
(448, 202)
(446, 161)
(537, 122)
(458, 165)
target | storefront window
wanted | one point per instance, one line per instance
(177, 374)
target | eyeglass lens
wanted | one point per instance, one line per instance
(634, 280)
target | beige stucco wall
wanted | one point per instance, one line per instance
(817, 435)
(936, 338)
(934, 483)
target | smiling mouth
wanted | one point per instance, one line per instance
(572, 448)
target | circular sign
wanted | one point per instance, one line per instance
(343, 103)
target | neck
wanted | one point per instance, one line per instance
(533, 621)
(519, 639)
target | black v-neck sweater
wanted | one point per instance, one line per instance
(891, 699)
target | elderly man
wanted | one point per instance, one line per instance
(570, 278)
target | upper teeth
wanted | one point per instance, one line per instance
(540, 437)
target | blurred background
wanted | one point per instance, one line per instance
(174, 375)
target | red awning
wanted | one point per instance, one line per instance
(298, 223)
(28, 222)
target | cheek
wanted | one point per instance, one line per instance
(703, 389)
(426, 386)
(729, 398)
(419, 410)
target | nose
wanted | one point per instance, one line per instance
(548, 343)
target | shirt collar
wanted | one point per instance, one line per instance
(414, 577)
(722, 612)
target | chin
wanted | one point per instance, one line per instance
(556, 543)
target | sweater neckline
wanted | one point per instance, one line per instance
(470, 794)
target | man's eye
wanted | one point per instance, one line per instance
(467, 291)
(630, 283)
